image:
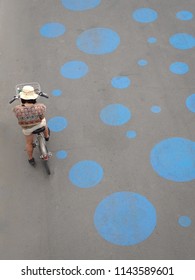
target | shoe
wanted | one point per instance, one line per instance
(32, 161)
(47, 138)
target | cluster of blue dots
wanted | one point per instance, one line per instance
(125, 218)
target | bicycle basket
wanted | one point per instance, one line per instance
(35, 85)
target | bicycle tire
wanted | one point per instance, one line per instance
(45, 162)
(44, 153)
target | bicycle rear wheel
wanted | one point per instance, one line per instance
(44, 153)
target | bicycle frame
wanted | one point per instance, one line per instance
(40, 143)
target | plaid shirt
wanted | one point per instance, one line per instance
(30, 115)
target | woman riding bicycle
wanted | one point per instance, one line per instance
(31, 116)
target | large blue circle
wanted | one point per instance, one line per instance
(145, 15)
(74, 69)
(86, 174)
(52, 30)
(57, 123)
(190, 103)
(115, 114)
(80, 5)
(184, 15)
(120, 82)
(179, 68)
(182, 41)
(98, 41)
(125, 218)
(174, 159)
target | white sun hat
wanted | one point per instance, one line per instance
(28, 93)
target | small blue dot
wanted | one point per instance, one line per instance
(142, 62)
(98, 41)
(80, 5)
(52, 30)
(152, 40)
(56, 92)
(184, 15)
(57, 124)
(120, 82)
(182, 41)
(145, 15)
(86, 174)
(155, 109)
(61, 154)
(131, 134)
(74, 69)
(115, 114)
(184, 221)
(179, 68)
(125, 218)
(190, 103)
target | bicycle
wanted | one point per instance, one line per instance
(39, 140)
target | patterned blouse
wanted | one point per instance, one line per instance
(30, 115)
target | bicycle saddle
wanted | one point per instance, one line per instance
(39, 130)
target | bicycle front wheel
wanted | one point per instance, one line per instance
(45, 162)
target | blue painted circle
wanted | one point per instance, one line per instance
(121, 82)
(131, 134)
(155, 109)
(98, 41)
(182, 41)
(184, 221)
(80, 5)
(56, 92)
(190, 103)
(184, 15)
(57, 124)
(145, 15)
(74, 69)
(179, 68)
(142, 62)
(152, 40)
(52, 30)
(61, 154)
(174, 159)
(115, 114)
(86, 174)
(125, 218)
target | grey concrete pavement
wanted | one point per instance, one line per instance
(49, 217)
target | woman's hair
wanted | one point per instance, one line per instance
(31, 101)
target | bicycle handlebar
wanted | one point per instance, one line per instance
(42, 94)
(13, 99)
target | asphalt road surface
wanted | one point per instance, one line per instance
(120, 80)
